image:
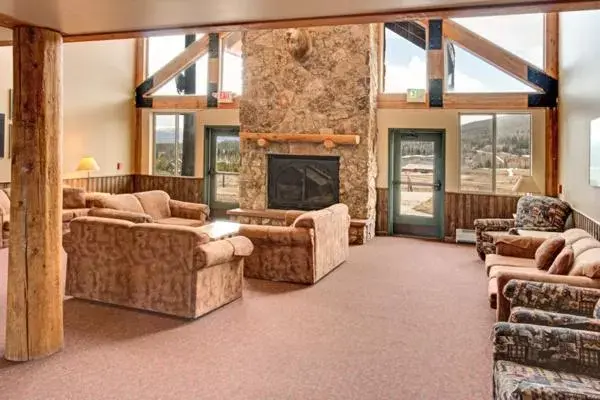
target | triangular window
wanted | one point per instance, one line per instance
(405, 64)
(474, 75)
(522, 35)
(161, 50)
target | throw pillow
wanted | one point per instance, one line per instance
(547, 252)
(563, 262)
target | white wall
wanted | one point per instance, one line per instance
(579, 83)
(98, 86)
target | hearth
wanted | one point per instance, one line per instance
(302, 182)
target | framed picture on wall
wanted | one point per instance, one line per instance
(595, 152)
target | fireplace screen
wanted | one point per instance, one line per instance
(303, 182)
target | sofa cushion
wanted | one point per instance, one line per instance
(547, 252)
(587, 264)
(4, 203)
(179, 222)
(494, 271)
(67, 215)
(519, 381)
(542, 213)
(73, 198)
(124, 202)
(94, 199)
(563, 262)
(493, 260)
(583, 245)
(518, 246)
(155, 203)
(573, 235)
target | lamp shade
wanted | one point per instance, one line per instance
(88, 164)
(526, 184)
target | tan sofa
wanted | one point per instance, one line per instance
(516, 261)
(168, 269)
(76, 203)
(313, 244)
(152, 206)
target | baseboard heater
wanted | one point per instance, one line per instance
(465, 236)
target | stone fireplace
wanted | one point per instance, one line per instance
(298, 182)
(311, 81)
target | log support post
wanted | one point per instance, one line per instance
(34, 325)
(552, 134)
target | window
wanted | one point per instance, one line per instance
(405, 62)
(162, 49)
(495, 150)
(522, 35)
(474, 75)
(232, 64)
(174, 144)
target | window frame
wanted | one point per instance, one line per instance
(177, 114)
(494, 147)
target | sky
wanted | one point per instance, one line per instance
(521, 34)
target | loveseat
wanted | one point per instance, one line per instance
(311, 246)
(152, 206)
(174, 270)
(534, 213)
(516, 261)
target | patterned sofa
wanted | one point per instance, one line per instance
(313, 244)
(174, 270)
(152, 206)
(506, 265)
(534, 213)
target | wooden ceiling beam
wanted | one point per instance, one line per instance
(516, 7)
(183, 60)
(492, 53)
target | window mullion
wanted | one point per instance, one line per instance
(177, 173)
(494, 135)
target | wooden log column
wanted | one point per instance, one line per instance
(552, 134)
(34, 326)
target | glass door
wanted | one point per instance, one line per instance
(417, 182)
(222, 169)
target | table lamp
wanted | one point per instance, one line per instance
(88, 164)
(526, 184)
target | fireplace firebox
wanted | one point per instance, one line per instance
(302, 182)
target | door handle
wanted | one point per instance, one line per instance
(438, 185)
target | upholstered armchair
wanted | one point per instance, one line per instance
(541, 362)
(314, 244)
(534, 213)
(552, 304)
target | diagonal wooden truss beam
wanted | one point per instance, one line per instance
(497, 56)
(183, 60)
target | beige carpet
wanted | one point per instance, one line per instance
(402, 319)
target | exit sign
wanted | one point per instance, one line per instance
(415, 95)
(225, 97)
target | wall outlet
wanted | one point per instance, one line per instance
(119, 165)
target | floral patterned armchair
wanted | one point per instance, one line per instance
(552, 304)
(534, 213)
(545, 363)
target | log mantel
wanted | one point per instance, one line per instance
(329, 140)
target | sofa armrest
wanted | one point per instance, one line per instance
(560, 298)
(67, 242)
(183, 209)
(523, 315)
(221, 251)
(518, 246)
(558, 349)
(502, 279)
(493, 224)
(134, 217)
(277, 235)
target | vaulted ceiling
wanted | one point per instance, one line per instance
(76, 17)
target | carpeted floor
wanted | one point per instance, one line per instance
(401, 319)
